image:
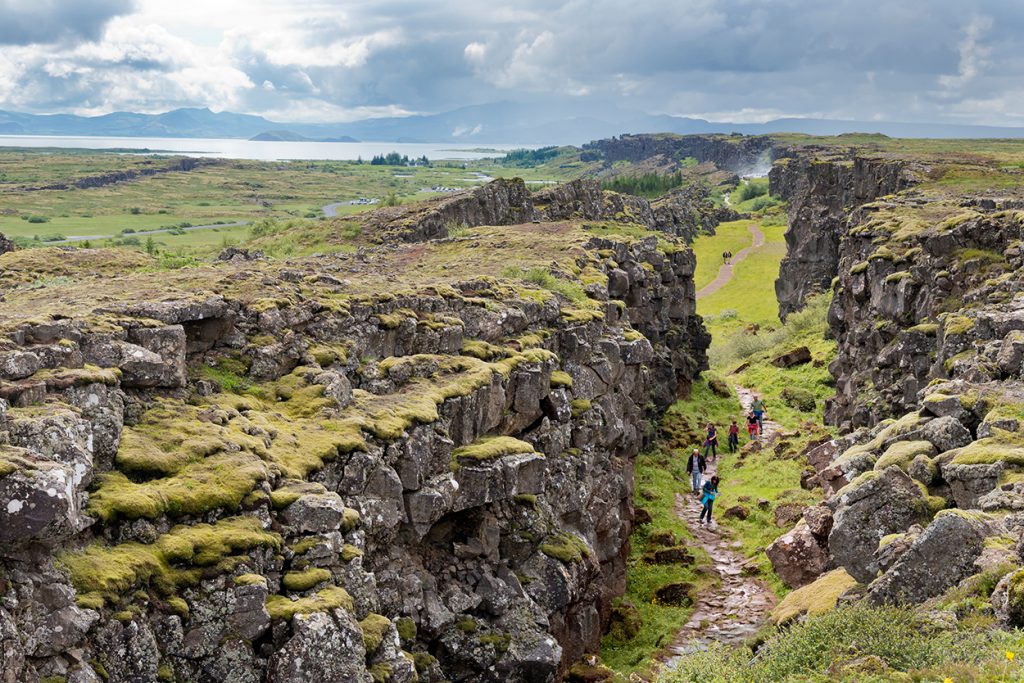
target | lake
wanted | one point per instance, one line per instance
(260, 151)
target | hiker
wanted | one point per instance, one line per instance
(695, 466)
(708, 499)
(725, 257)
(751, 426)
(757, 407)
(734, 437)
(711, 443)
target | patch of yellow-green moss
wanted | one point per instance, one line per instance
(374, 628)
(283, 608)
(928, 329)
(305, 579)
(580, 406)
(632, 335)
(565, 547)
(957, 324)
(491, 447)
(902, 453)
(560, 378)
(815, 598)
(349, 552)
(176, 560)
(989, 451)
(178, 606)
(406, 629)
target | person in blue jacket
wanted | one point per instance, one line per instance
(710, 492)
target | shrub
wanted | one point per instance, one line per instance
(798, 399)
(38, 219)
(755, 187)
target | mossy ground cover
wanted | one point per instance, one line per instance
(863, 645)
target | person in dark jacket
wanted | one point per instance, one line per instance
(695, 467)
(710, 492)
(711, 443)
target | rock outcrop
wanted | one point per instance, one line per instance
(821, 192)
(736, 153)
(348, 467)
(684, 212)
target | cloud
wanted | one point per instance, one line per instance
(335, 59)
(51, 21)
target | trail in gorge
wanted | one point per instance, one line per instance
(725, 272)
(737, 607)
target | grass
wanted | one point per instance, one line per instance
(828, 648)
(732, 236)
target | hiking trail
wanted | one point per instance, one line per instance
(736, 608)
(725, 272)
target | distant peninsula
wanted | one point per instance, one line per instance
(289, 136)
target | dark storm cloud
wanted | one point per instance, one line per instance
(23, 22)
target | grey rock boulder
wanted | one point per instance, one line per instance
(325, 646)
(942, 556)
(873, 506)
(946, 433)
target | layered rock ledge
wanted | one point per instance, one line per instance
(408, 463)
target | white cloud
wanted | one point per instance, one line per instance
(973, 54)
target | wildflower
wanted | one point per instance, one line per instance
(1010, 656)
(947, 680)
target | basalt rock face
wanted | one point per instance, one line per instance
(926, 290)
(6, 245)
(684, 212)
(730, 153)
(821, 194)
(273, 472)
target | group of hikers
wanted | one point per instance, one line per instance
(697, 463)
(726, 256)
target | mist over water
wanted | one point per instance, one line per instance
(760, 168)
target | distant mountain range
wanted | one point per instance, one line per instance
(499, 123)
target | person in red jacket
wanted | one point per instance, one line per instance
(734, 437)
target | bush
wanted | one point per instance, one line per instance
(38, 219)
(799, 399)
(755, 187)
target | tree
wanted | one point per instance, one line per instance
(150, 246)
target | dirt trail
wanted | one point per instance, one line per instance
(738, 606)
(725, 272)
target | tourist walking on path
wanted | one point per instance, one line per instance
(711, 443)
(734, 437)
(710, 492)
(752, 429)
(757, 407)
(695, 467)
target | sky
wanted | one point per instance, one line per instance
(956, 61)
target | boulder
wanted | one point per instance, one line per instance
(787, 514)
(6, 244)
(316, 513)
(1008, 599)
(893, 546)
(39, 501)
(326, 646)
(938, 559)
(819, 521)
(797, 356)
(874, 505)
(946, 433)
(970, 482)
(736, 512)
(797, 556)
(675, 594)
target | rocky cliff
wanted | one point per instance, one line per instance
(684, 212)
(402, 464)
(922, 492)
(736, 153)
(821, 191)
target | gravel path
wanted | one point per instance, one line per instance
(725, 272)
(738, 606)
